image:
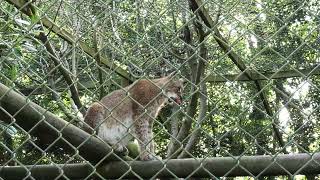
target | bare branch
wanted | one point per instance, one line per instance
(255, 75)
(203, 92)
(301, 73)
(197, 72)
(176, 116)
(57, 98)
(201, 118)
(97, 57)
(66, 74)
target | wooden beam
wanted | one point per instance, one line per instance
(71, 171)
(25, 6)
(254, 166)
(255, 76)
(267, 165)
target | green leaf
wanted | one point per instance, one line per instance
(13, 72)
(34, 19)
(17, 51)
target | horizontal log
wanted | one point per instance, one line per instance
(292, 164)
(254, 166)
(254, 75)
(50, 129)
(71, 171)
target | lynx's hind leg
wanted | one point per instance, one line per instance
(144, 137)
(94, 116)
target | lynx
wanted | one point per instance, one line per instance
(129, 113)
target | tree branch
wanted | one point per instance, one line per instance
(57, 98)
(197, 7)
(66, 74)
(255, 75)
(201, 117)
(197, 73)
(203, 93)
(175, 118)
(97, 57)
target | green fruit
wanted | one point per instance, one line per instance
(134, 149)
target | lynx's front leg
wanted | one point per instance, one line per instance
(152, 146)
(144, 136)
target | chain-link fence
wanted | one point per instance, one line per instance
(159, 89)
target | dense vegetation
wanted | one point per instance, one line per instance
(151, 38)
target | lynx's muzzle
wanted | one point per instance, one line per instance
(173, 97)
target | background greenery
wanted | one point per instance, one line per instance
(151, 38)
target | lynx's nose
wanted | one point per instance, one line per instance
(174, 97)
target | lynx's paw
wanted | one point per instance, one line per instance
(121, 151)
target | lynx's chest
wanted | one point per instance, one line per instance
(121, 131)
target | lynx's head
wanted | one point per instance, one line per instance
(172, 89)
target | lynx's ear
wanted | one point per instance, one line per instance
(172, 74)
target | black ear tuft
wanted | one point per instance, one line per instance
(173, 73)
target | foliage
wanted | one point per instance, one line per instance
(149, 39)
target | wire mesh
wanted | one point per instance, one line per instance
(249, 94)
